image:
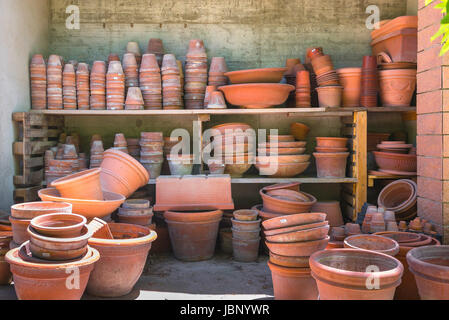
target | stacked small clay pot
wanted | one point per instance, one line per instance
(113, 57)
(54, 83)
(293, 67)
(98, 86)
(156, 47)
(133, 47)
(151, 152)
(133, 148)
(369, 89)
(69, 87)
(171, 83)
(120, 143)
(217, 70)
(38, 77)
(96, 153)
(292, 240)
(136, 211)
(303, 98)
(65, 162)
(396, 157)
(246, 235)
(181, 75)
(131, 69)
(216, 100)
(331, 157)
(351, 80)
(82, 86)
(209, 90)
(196, 75)
(134, 99)
(150, 82)
(115, 86)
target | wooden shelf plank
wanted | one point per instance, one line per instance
(390, 109)
(372, 178)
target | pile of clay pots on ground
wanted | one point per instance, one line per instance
(331, 157)
(246, 235)
(400, 197)
(396, 158)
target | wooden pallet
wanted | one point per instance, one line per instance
(36, 133)
(26, 194)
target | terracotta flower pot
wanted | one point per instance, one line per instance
(278, 205)
(299, 131)
(180, 165)
(84, 185)
(59, 225)
(283, 222)
(19, 229)
(246, 215)
(372, 243)
(246, 225)
(348, 279)
(293, 283)
(327, 142)
(298, 249)
(397, 87)
(331, 165)
(121, 260)
(350, 79)
(398, 196)
(301, 235)
(330, 97)
(245, 250)
(196, 216)
(303, 227)
(289, 262)
(430, 266)
(332, 210)
(31, 276)
(31, 210)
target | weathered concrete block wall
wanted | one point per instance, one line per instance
(23, 32)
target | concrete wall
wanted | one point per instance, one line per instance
(24, 31)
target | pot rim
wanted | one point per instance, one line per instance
(312, 201)
(82, 201)
(28, 206)
(34, 222)
(393, 243)
(85, 234)
(417, 265)
(152, 236)
(76, 177)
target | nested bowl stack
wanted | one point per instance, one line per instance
(98, 86)
(38, 77)
(150, 82)
(195, 75)
(171, 83)
(115, 86)
(69, 87)
(82, 86)
(54, 83)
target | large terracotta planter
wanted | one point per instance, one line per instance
(84, 185)
(430, 265)
(122, 260)
(331, 165)
(266, 75)
(372, 243)
(31, 276)
(30, 210)
(121, 173)
(343, 274)
(293, 283)
(397, 87)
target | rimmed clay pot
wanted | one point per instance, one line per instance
(330, 97)
(293, 283)
(281, 170)
(19, 229)
(180, 165)
(293, 220)
(289, 262)
(398, 196)
(246, 234)
(279, 231)
(59, 244)
(372, 243)
(5, 272)
(246, 225)
(299, 131)
(246, 215)
(332, 210)
(265, 215)
(343, 274)
(300, 235)
(31, 275)
(245, 250)
(430, 266)
(83, 185)
(266, 75)
(122, 260)
(281, 205)
(397, 87)
(88, 208)
(351, 80)
(330, 142)
(194, 240)
(59, 225)
(298, 249)
(197, 216)
(30, 210)
(121, 173)
(331, 165)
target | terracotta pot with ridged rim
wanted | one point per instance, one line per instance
(59, 225)
(343, 274)
(372, 243)
(331, 165)
(293, 283)
(278, 205)
(121, 173)
(31, 276)
(30, 210)
(298, 249)
(122, 260)
(84, 185)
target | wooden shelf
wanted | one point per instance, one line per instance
(390, 109)
(373, 178)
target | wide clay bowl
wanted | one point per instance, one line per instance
(297, 144)
(281, 151)
(257, 95)
(265, 215)
(302, 235)
(396, 161)
(88, 208)
(265, 75)
(284, 159)
(294, 220)
(372, 243)
(279, 231)
(297, 249)
(30, 210)
(59, 225)
(403, 238)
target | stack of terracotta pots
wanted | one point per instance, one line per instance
(196, 75)
(120, 143)
(82, 86)
(38, 77)
(69, 87)
(408, 290)
(57, 169)
(282, 157)
(286, 201)
(133, 147)
(151, 152)
(293, 67)
(98, 86)
(5, 244)
(400, 197)
(292, 240)
(156, 47)
(369, 91)
(115, 86)
(396, 157)
(351, 80)
(134, 99)
(133, 47)
(54, 83)
(331, 157)
(136, 211)
(303, 98)
(96, 154)
(310, 54)
(150, 82)
(131, 69)
(217, 70)
(246, 235)
(171, 83)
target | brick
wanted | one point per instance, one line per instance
(446, 214)
(445, 146)
(430, 167)
(429, 80)
(429, 59)
(430, 102)
(431, 189)
(431, 123)
(424, 38)
(428, 16)
(446, 191)
(445, 168)
(445, 100)
(430, 210)
(429, 146)
(445, 123)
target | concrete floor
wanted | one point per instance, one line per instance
(165, 278)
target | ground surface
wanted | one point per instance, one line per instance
(221, 278)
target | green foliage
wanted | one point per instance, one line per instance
(443, 32)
